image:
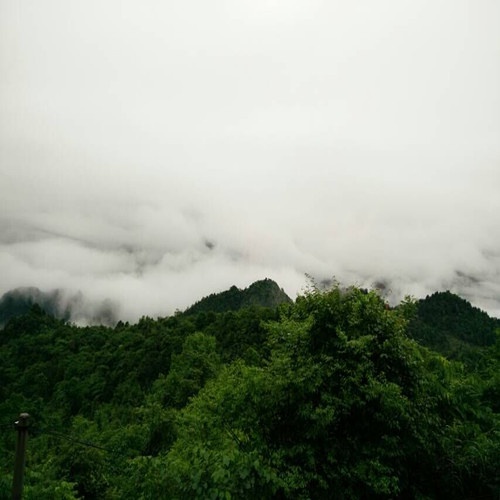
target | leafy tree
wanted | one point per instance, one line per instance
(190, 369)
(346, 404)
(327, 396)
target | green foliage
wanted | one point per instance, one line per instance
(345, 403)
(327, 395)
(41, 485)
(217, 453)
(190, 369)
(450, 324)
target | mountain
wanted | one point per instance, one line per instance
(263, 293)
(327, 394)
(19, 301)
(57, 303)
(76, 308)
(447, 323)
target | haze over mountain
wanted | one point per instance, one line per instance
(156, 152)
(79, 310)
(58, 303)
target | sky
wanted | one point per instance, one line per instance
(153, 152)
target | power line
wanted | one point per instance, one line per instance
(37, 431)
(88, 444)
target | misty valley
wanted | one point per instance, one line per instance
(248, 394)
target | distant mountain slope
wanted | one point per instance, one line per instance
(57, 303)
(264, 293)
(19, 301)
(445, 322)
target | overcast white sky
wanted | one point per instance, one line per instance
(155, 151)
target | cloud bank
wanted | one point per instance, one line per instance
(155, 153)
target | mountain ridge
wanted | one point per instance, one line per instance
(263, 293)
(58, 303)
(445, 322)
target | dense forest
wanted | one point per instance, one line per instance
(248, 394)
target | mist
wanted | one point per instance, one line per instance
(152, 154)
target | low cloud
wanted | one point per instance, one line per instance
(154, 259)
(154, 154)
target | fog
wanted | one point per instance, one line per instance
(154, 152)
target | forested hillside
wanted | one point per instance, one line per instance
(448, 323)
(335, 395)
(19, 301)
(265, 293)
(71, 307)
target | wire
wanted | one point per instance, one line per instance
(77, 441)
(61, 435)
(88, 444)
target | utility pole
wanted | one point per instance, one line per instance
(21, 426)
